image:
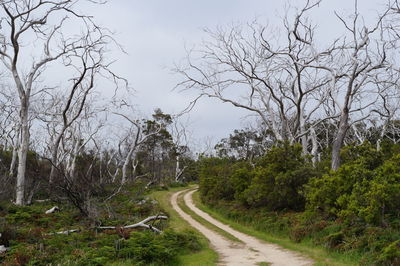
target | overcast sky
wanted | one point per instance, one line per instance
(154, 33)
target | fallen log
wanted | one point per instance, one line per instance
(3, 249)
(142, 223)
(139, 224)
(52, 210)
(42, 200)
(67, 232)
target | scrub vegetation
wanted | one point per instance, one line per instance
(353, 211)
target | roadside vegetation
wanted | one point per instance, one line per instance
(353, 211)
(35, 238)
(79, 164)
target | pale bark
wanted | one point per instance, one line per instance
(277, 80)
(314, 146)
(52, 210)
(129, 155)
(14, 155)
(71, 167)
(22, 155)
(339, 139)
(139, 139)
(142, 223)
(88, 70)
(177, 168)
(21, 19)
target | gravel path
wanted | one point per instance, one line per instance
(251, 252)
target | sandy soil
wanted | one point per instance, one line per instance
(251, 252)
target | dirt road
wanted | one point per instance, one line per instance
(251, 252)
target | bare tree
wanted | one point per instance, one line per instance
(353, 66)
(132, 139)
(91, 65)
(250, 68)
(9, 125)
(295, 86)
(179, 132)
(23, 20)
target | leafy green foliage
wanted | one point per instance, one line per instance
(29, 233)
(89, 248)
(146, 248)
(215, 179)
(241, 144)
(355, 209)
(278, 181)
(365, 188)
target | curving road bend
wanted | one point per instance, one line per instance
(252, 252)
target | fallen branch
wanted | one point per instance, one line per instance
(53, 210)
(42, 200)
(67, 232)
(3, 249)
(139, 224)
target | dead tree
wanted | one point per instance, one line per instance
(179, 133)
(32, 20)
(353, 66)
(248, 68)
(133, 139)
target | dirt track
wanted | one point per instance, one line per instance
(251, 252)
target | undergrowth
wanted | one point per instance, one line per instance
(30, 235)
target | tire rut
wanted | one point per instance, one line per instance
(252, 252)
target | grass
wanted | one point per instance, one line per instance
(26, 230)
(206, 256)
(320, 255)
(204, 222)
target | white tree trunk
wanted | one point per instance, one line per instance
(14, 154)
(339, 139)
(22, 155)
(314, 146)
(72, 166)
(126, 164)
(177, 168)
(381, 136)
(54, 159)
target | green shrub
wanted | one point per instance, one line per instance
(147, 248)
(215, 179)
(357, 193)
(390, 254)
(279, 180)
(241, 180)
(334, 240)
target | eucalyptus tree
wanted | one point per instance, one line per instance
(39, 28)
(244, 144)
(133, 133)
(9, 125)
(272, 76)
(158, 151)
(295, 83)
(354, 66)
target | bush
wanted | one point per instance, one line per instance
(390, 254)
(241, 180)
(215, 179)
(279, 180)
(358, 191)
(147, 248)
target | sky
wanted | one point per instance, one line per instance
(154, 34)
